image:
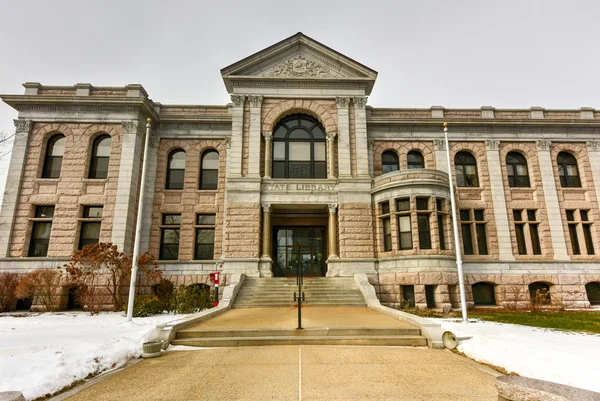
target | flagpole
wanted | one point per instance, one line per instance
(461, 280)
(138, 226)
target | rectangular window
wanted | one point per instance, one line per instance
(90, 226)
(403, 205)
(481, 239)
(520, 231)
(405, 232)
(385, 207)
(387, 234)
(587, 235)
(205, 243)
(40, 231)
(467, 239)
(408, 295)
(424, 231)
(169, 239)
(535, 239)
(574, 239)
(422, 203)
(441, 231)
(430, 296)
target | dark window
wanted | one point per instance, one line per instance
(408, 295)
(441, 231)
(516, 166)
(405, 231)
(467, 239)
(40, 231)
(531, 215)
(176, 169)
(570, 215)
(535, 239)
(389, 162)
(92, 212)
(520, 231)
(387, 234)
(385, 207)
(593, 293)
(567, 170)
(467, 231)
(55, 150)
(403, 205)
(483, 294)
(479, 215)
(90, 226)
(464, 215)
(415, 159)
(481, 239)
(587, 235)
(422, 203)
(424, 231)
(100, 157)
(539, 293)
(430, 296)
(205, 236)
(574, 239)
(169, 239)
(73, 298)
(439, 205)
(466, 170)
(299, 149)
(584, 215)
(209, 172)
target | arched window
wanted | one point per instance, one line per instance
(516, 166)
(209, 170)
(539, 293)
(176, 169)
(100, 157)
(54, 155)
(466, 170)
(567, 170)
(483, 294)
(299, 148)
(593, 292)
(415, 159)
(389, 162)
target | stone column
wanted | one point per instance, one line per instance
(332, 233)
(499, 200)
(330, 154)
(360, 124)
(266, 230)
(129, 172)
(557, 232)
(254, 135)
(13, 184)
(343, 137)
(268, 153)
(441, 160)
(593, 148)
(237, 125)
(150, 188)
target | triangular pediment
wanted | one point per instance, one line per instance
(299, 57)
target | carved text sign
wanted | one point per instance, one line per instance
(295, 187)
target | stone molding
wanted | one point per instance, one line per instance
(360, 101)
(370, 144)
(508, 129)
(228, 142)
(266, 207)
(268, 136)
(342, 102)
(255, 101)
(593, 146)
(332, 207)
(331, 136)
(439, 144)
(543, 144)
(154, 141)
(301, 66)
(238, 100)
(132, 127)
(22, 126)
(492, 144)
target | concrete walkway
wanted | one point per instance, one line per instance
(287, 318)
(299, 373)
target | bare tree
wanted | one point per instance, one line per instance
(6, 140)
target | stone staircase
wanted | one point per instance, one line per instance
(278, 292)
(311, 336)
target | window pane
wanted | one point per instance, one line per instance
(280, 132)
(479, 216)
(99, 167)
(206, 219)
(205, 239)
(278, 169)
(424, 231)
(385, 207)
(531, 215)
(175, 179)
(171, 219)
(41, 230)
(56, 146)
(584, 215)
(422, 203)
(517, 215)
(403, 205)
(535, 239)
(520, 232)
(103, 147)
(177, 160)
(40, 239)
(587, 235)
(90, 234)
(408, 295)
(464, 215)
(91, 212)
(574, 239)
(570, 215)
(483, 294)
(406, 240)
(467, 239)
(209, 179)
(299, 134)
(318, 133)
(320, 154)
(169, 248)
(388, 168)
(278, 150)
(404, 223)
(299, 151)
(439, 204)
(210, 160)
(52, 166)
(481, 239)
(44, 212)
(572, 170)
(441, 230)
(460, 176)
(299, 170)
(387, 235)
(320, 169)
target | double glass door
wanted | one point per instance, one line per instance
(299, 248)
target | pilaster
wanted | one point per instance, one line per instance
(129, 173)
(499, 200)
(593, 148)
(441, 160)
(360, 123)
(237, 126)
(551, 195)
(268, 153)
(152, 164)
(254, 143)
(330, 154)
(13, 183)
(332, 232)
(343, 137)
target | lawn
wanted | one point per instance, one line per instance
(584, 321)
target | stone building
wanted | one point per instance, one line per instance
(299, 170)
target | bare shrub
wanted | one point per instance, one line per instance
(539, 300)
(513, 296)
(43, 285)
(101, 268)
(8, 284)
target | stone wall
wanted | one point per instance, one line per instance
(355, 230)
(242, 230)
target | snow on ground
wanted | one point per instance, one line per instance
(544, 354)
(42, 353)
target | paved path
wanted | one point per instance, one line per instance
(319, 317)
(299, 373)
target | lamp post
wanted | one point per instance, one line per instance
(461, 280)
(138, 226)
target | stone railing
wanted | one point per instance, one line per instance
(410, 177)
(516, 388)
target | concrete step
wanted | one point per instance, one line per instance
(283, 294)
(401, 340)
(287, 305)
(311, 332)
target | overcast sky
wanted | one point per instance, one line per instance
(511, 54)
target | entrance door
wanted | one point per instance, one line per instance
(299, 247)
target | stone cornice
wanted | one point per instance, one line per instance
(522, 127)
(204, 126)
